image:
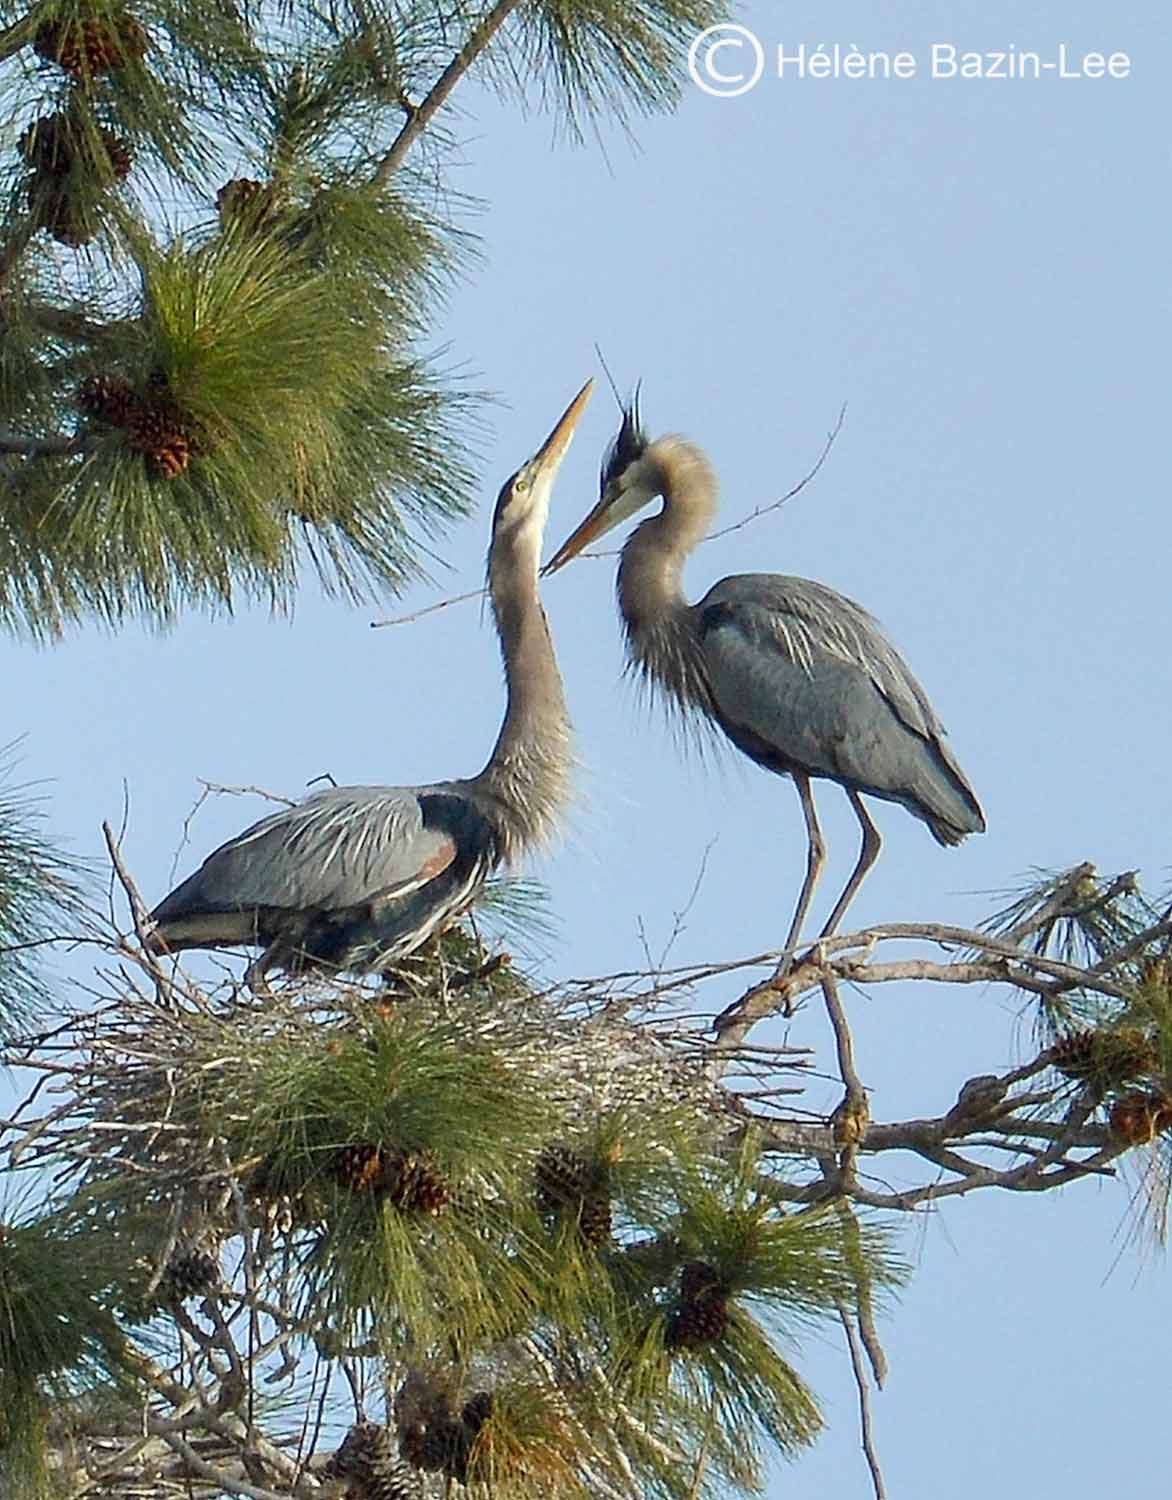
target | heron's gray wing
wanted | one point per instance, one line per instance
(809, 622)
(338, 848)
(797, 669)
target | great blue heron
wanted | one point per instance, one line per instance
(356, 877)
(799, 678)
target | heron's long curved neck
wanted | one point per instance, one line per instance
(660, 632)
(527, 775)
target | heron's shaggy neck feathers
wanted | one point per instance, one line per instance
(526, 782)
(661, 638)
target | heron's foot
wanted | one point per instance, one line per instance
(256, 975)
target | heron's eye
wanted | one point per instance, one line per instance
(520, 485)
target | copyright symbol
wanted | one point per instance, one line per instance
(725, 77)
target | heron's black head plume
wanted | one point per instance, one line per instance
(627, 448)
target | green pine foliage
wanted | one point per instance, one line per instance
(55, 1332)
(247, 216)
(375, 1163)
(40, 899)
(594, 57)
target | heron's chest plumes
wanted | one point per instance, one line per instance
(663, 645)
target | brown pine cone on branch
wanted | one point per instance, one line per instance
(367, 1460)
(60, 213)
(1104, 1056)
(476, 1411)
(244, 200)
(86, 46)
(360, 1167)
(189, 1273)
(164, 435)
(48, 145)
(55, 144)
(698, 1323)
(107, 397)
(1139, 1118)
(703, 1313)
(414, 1184)
(563, 1177)
(595, 1221)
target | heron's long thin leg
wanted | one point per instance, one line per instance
(868, 854)
(256, 975)
(815, 858)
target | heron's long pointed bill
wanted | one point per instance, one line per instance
(549, 456)
(597, 523)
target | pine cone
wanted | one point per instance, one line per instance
(108, 397)
(360, 1167)
(1139, 1118)
(189, 1273)
(1106, 1056)
(53, 145)
(411, 1443)
(699, 1280)
(414, 1184)
(703, 1313)
(245, 198)
(477, 1410)
(120, 154)
(698, 1323)
(563, 1177)
(85, 46)
(160, 431)
(57, 211)
(48, 145)
(367, 1450)
(394, 1481)
(441, 1447)
(594, 1220)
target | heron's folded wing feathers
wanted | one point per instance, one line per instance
(338, 848)
(809, 623)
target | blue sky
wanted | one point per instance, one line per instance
(978, 270)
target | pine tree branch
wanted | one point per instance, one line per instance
(46, 447)
(1005, 962)
(865, 1423)
(14, 247)
(436, 97)
(214, 1473)
(66, 323)
(16, 36)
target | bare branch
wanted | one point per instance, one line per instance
(429, 609)
(808, 478)
(42, 447)
(420, 116)
(852, 1344)
(601, 554)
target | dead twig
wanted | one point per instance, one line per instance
(865, 1425)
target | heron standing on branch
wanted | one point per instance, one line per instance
(799, 679)
(357, 877)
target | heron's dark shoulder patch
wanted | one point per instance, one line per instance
(713, 616)
(458, 817)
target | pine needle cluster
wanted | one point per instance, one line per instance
(374, 1174)
(1115, 1051)
(55, 1329)
(40, 898)
(231, 217)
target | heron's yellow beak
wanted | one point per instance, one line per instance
(595, 525)
(553, 450)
